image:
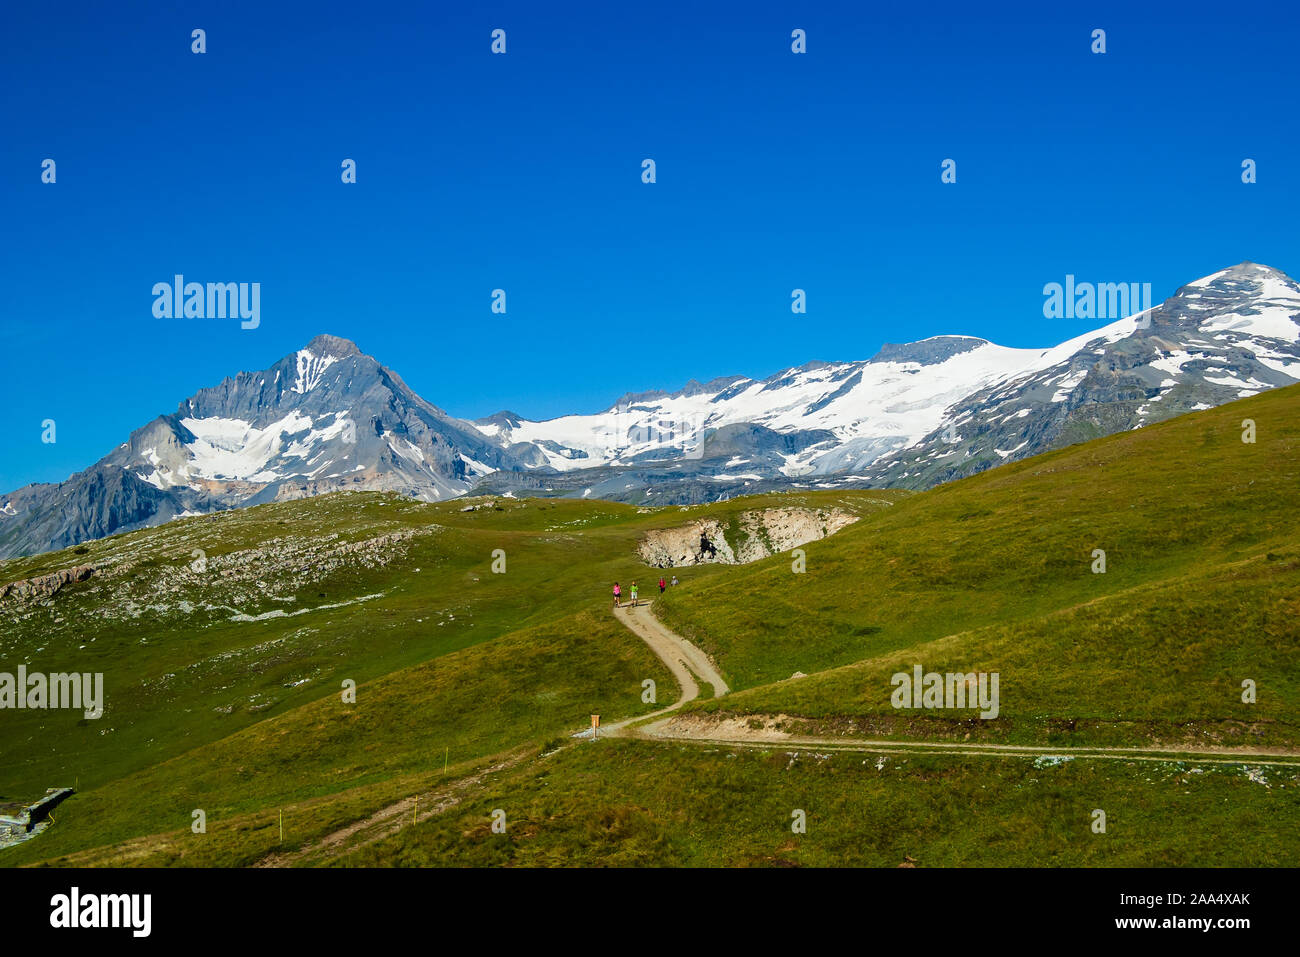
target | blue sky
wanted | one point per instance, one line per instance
(523, 172)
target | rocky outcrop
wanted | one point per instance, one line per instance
(781, 529)
(670, 547)
(753, 535)
(31, 589)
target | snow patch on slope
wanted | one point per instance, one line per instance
(310, 369)
(226, 449)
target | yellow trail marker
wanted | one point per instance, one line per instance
(595, 726)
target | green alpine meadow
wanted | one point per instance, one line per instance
(365, 679)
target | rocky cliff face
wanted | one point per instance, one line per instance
(755, 535)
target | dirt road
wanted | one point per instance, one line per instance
(689, 666)
(687, 662)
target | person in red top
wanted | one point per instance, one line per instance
(662, 585)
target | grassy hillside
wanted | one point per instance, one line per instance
(225, 640)
(641, 804)
(995, 573)
(1160, 664)
(527, 687)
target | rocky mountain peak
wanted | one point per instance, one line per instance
(1243, 278)
(1250, 270)
(327, 346)
(927, 351)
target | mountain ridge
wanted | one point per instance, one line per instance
(329, 417)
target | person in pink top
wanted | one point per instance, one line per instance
(617, 596)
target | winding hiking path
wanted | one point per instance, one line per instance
(688, 663)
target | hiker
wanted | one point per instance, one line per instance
(634, 594)
(617, 595)
(674, 579)
(662, 584)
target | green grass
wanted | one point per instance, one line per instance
(520, 689)
(246, 838)
(176, 681)
(1199, 591)
(243, 717)
(1158, 665)
(207, 712)
(637, 804)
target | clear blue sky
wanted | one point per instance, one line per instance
(522, 171)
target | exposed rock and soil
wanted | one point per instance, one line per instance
(752, 536)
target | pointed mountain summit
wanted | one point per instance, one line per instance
(326, 346)
(325, 418)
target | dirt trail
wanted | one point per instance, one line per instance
(737, 733)
(387, 820)
(684, 660)
(689, 665)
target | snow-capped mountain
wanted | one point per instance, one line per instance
(1227, 336)
(323, 419)
(328, 418)
(928, 411)
(838, 414)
